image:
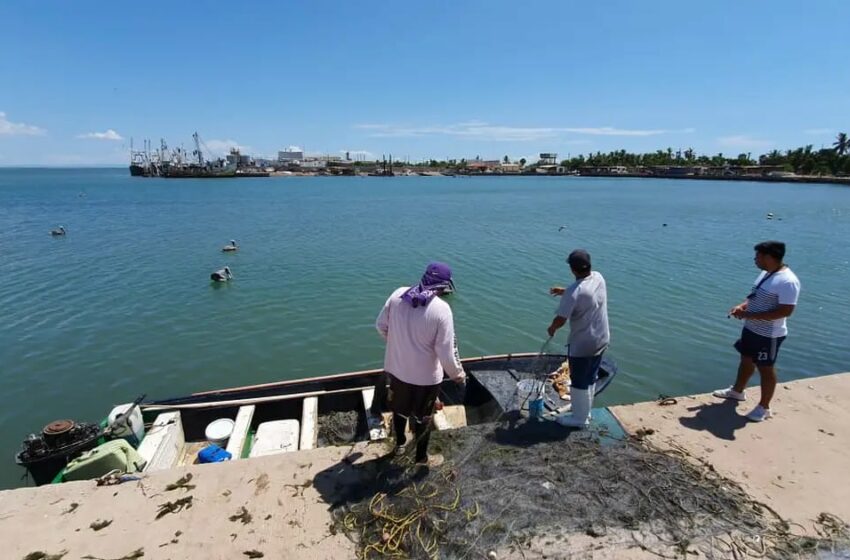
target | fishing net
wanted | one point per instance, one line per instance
(519, 488)
(338, 428)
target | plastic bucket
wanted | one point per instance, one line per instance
(528, 391)
(218, 431)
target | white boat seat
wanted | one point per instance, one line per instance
(309, 423)
(278, 436)
(163, 443)
(236, 443)
(376, 424)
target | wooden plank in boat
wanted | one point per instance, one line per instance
(376, 424)
(309, 423)
(189, 456)
(163, 443)
(240, 431)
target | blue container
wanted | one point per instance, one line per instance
(535, 408)
(213, 454)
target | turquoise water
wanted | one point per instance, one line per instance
(123, 305)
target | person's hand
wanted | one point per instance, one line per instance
(551, 330)
(737, 312)
(556, 291)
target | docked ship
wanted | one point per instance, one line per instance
(178, 163)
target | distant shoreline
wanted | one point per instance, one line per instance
(806, 179)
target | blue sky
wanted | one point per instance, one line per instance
(420, 79)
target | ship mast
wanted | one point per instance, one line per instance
(198, 149)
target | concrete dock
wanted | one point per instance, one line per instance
(796, 462)
(278, 506)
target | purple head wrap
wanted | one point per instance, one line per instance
(437, 280)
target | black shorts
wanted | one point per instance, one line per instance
(412, 401)
(762, 349)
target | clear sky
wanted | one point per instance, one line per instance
(436, 79)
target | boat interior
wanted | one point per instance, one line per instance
(306, 414)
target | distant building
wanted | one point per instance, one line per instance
(290, 155)
(604, 170)
(548, 158)
(234, 157)
(550, 169)
(482, 166)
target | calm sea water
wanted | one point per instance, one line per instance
(123, 305)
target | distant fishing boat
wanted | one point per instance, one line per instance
(179, 164)
(270, 418)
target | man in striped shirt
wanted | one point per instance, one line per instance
(771, 301)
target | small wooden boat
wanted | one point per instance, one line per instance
(289, 416)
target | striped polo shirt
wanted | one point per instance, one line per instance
(782, 288)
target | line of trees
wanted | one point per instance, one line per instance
(803, 161)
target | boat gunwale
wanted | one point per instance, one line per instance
(318, 386)
(360, 373)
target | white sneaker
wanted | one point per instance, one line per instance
(730, 393)
(759, 413)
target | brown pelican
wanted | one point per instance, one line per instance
(231, 247)
(58, 232)
(222, 275)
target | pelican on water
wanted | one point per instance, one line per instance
(58, 232)
(222, 275)
(231, 247)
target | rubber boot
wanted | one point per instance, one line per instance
(579, 415)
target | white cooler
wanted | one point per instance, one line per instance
(279, 436)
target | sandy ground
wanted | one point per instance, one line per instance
(796, 462)
(286, 497)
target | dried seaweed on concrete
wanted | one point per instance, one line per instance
(242, 515)
(39, 555)
(100, 524)
(182, 483)
(135, 555)
(174, 507)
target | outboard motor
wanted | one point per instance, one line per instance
(47, 453)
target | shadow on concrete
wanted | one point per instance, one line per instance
(349, 482)
(720, 419)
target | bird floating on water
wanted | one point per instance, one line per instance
(222, 275)
(58, 232)
(770, 215)
(231, 247)
(562, 228)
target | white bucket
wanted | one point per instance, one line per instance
(528, 390)
(133, 429)
(219, 431)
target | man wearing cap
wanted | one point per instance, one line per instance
(585, 304)
(771, 301)
(419, 330)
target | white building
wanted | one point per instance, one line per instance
(290, 154)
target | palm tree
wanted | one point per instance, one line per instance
(841, 145)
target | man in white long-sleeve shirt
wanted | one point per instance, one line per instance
(418, 327)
